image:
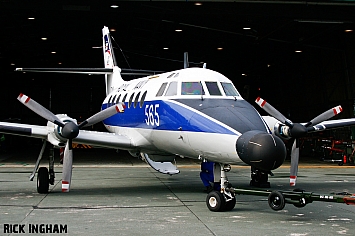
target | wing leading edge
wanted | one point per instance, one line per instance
(332, 124)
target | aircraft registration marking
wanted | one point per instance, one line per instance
(152, 115)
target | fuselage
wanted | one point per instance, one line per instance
(193, 112)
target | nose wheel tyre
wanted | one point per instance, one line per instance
(42, 180)
(276, 201)
(230, 204)
(215, 201)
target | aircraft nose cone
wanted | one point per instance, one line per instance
(261, 150)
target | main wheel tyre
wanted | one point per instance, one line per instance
(276, 201)
(215, 201)
(42, 180)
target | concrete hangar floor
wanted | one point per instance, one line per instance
(113, 193)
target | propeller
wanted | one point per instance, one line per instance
(295, 131)
(70, 130)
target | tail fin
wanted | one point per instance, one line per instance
(112, 80)
(109, 56)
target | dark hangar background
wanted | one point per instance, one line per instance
(297, 55)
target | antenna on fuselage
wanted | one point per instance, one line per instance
(186, 60)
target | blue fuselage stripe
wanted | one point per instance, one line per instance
(165, 115)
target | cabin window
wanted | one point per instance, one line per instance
(161, 90)
(130, 100)
(118, 98)
(136, 100)
(172, 89)
(113, 100)
(109, 101)
(229, 89)
(213, 88)
(124, 98)
(142, 99)
(192, 88)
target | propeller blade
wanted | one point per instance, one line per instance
(67, 166)
(325, 116)
(295, 153)
(39, 109)
(273, 112)
(102, 115)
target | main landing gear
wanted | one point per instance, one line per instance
(45, 176)
(223, 200)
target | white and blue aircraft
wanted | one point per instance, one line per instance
(192, 112)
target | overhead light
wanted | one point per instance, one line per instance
(298, 50)
(12, 64)
(53, 52)
(348, 30)
(165, 48)
(219, 49)
(244, 74)
(44, 39)
(246, 28)
(95, 47)
(114, 6)
(30, 18)
(198, 3)
(178, 30)
(59, 63)
(112, 30)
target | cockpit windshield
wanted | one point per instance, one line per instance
(229, 89)
(192, 88)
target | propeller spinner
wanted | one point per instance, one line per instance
(70, 131)
(295, 131)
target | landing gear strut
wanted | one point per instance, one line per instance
(223, 200)
(44, 176)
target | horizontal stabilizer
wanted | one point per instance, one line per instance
(90, 71)
(97, 71)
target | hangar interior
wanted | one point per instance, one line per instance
(298, 55)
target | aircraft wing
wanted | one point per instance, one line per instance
(103, 139)
(94, 138)
(34, 131)
(331, 124)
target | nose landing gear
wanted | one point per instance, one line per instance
(223, 200)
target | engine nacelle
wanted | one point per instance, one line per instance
(261, 150)
(277, 128)
(54, 131)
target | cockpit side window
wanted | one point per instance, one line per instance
(213, 88)
(229, 89)
(192, 88)
(172, 89)
(161, 90)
